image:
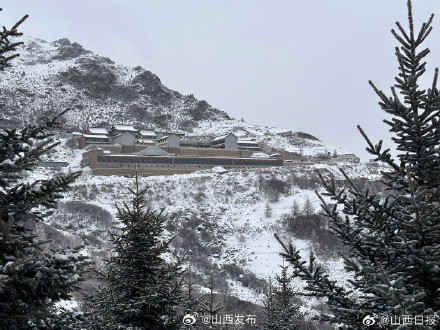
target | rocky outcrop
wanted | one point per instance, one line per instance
(53, 74)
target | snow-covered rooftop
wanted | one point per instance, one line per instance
(125, 128)
(124, 133)
(259, 155)
(147, 133)
(145, 141)
(153, 151)
(98, 130)
(96, 136)
(218, 138)
(247, 142)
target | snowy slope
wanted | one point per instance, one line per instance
(222, 213)
(230, 206)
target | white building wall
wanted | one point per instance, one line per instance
(126, 139)
(231, 142)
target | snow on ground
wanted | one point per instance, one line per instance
(259, 155)
(67, 304)
(274, 137)
(233, 201)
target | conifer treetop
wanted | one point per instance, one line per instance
(393, 236)
(5, 44)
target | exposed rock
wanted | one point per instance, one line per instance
(306, 136)
(97, 80)
(148, 84)
(62, 42)
(97, 89)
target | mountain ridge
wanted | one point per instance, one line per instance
(79, 72)
(58, 74)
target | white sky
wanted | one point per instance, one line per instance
(302, 65)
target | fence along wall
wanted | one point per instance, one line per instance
(157, 165)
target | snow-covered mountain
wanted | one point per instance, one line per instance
(60, 74)
(224, 220)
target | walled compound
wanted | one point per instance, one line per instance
(123, 149)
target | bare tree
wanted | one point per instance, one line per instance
(308, 208)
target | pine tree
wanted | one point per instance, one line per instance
(270, 316)
(394, 241)
(192, 300)
(141, 290)
(30, 279)
(280, 310)
(6, 46)
(211, 308)
(308, 208)
(295, 208)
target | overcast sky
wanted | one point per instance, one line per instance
(302, 65)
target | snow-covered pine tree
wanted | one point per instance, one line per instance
(394, 241)
(191, 294)
(211, 307)
(6, 46)
(280, 310)
(30, 280)
(192, 300)
(269, 320)
(295, 208)
(141, 290)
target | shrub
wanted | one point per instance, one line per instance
(77, 214)
(72, 143)
(276, 185)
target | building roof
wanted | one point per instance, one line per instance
(153, 151)
(96, 136)
(259, 155)
(247, 142)
(147, 133)
(97, 130)
(120, 134)
(125, 128)
(165, 137)
(219, 138)
(145, 141)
